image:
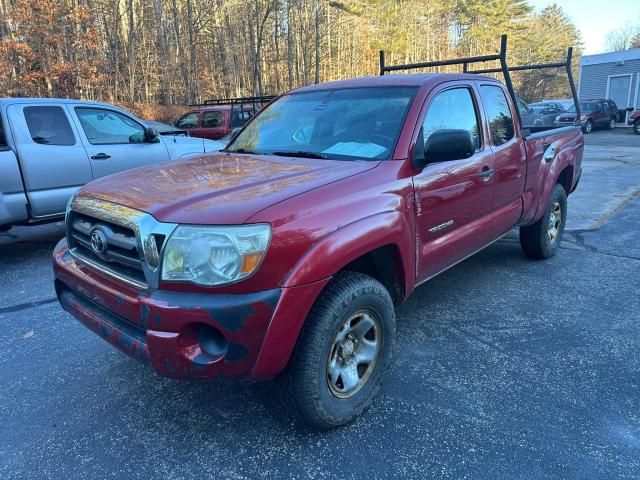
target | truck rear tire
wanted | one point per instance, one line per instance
(342, 353)
(612, 123)
(542, 239)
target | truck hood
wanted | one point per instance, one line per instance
(180, 145)
(218, 188)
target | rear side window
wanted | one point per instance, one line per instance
(106, 127)
(190, 120)
(452, 109)
(240, 117)
(498, 113)
(49, 126)
(211, 119)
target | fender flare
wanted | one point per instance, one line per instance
(561, 161)
(313, 272)
(344, 245)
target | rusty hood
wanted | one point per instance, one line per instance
(218, 188)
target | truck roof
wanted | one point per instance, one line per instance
(11, 100)
(396, 80)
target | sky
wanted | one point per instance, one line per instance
(595, 18)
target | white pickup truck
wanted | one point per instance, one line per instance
(50, 147)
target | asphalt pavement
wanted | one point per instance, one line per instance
(504, 368)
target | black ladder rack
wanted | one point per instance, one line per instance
(235, 101)
(504, 69)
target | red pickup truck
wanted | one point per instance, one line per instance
(218, 118)
(284, 255)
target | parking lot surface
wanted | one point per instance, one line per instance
(504, 368)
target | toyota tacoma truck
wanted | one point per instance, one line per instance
(284, 255)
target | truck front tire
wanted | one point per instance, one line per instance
(588, 126)
(542, 239)
(342, 353)
(636, 127)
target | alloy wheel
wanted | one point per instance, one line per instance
(555, 222)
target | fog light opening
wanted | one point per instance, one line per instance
(212, 341)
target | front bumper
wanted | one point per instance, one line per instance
(180, 335)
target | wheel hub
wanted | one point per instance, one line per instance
(353, 354)
(347, 349)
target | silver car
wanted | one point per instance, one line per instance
(50, 147)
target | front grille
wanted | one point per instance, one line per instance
(119, 254)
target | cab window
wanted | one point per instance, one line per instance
(211, 119)
(452, 109)
(498, 113)
(106, 127)
(240, 117)
(49, 126)
(188, 121)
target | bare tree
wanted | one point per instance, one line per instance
(623, 38)
(151, 54)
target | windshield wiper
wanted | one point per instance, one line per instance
(300, 154)
(242, 150)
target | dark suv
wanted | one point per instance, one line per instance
(600, 113)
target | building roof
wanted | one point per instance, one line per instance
(610, 57)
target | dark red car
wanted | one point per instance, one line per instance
(634, 120)
(600, 113)
(216, 119)
(285, 254)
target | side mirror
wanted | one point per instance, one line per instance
(150, 135)
(630, 109)
(442, 146)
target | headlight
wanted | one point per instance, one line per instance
(583, 118)
(214, 255)
(558, 118)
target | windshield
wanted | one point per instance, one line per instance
(586, 107)
(346, 124)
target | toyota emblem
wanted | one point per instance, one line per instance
(98, 241)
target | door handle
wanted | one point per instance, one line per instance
(101, 156)
(486, 172)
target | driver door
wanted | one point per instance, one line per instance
(115, 142)
(453, 198)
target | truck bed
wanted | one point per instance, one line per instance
(568, 143)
